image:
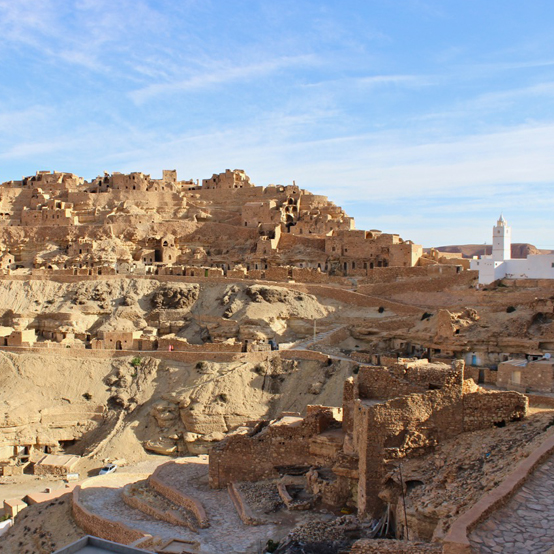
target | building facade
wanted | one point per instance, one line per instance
(500, 265)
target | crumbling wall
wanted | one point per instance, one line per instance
(379, 382)
(254, 458)
(256, 455)
(383, 383)
(398, 428)
(487, 408)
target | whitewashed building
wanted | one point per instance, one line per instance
(500, 264)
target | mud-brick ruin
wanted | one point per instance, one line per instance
(244, 228)
(266, 377)
(387, 414)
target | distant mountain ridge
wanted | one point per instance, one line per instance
(519, 250)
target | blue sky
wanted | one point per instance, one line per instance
(421, 117)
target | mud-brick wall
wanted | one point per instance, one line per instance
(276, 273)
(244, 458)
(378, 382)
(484, 409)
(401, 425)
(308, 275)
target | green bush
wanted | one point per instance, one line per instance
(135, 362)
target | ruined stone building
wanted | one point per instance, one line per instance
(388, 413)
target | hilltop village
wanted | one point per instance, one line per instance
(266, 377)
(132, 224)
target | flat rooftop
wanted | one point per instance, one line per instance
(94, 545)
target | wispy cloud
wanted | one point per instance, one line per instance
(349, 100)
(219, 75)
(79, 32)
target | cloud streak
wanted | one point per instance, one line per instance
(221, 74)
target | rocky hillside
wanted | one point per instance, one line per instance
(519, 250)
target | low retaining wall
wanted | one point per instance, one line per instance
(457, 539)
(243, 510)
(539, 400)
(356, 298)
(179, 498)
(179, 356)
(138, 504)
(101, 527)
(303, 355)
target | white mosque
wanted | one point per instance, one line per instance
(500, 265)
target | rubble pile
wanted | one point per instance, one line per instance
(322, 537)
(262, 496)
(441, 485)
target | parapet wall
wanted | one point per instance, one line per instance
(457, 541)
(187, 357)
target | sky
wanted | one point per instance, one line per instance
(425, 118)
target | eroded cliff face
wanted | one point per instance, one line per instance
(88, 402)
(206, 312)
(119, 407)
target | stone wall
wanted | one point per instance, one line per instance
(180, 345)
(101, 527)
(277, 273)
(403, 378)
(377, 382)
(487, 408)
(173, 517)
(456, 541)
(242, 508)
(397, 428)
(187, 357)
(256, 455)
(178, 497)
(303, 355)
